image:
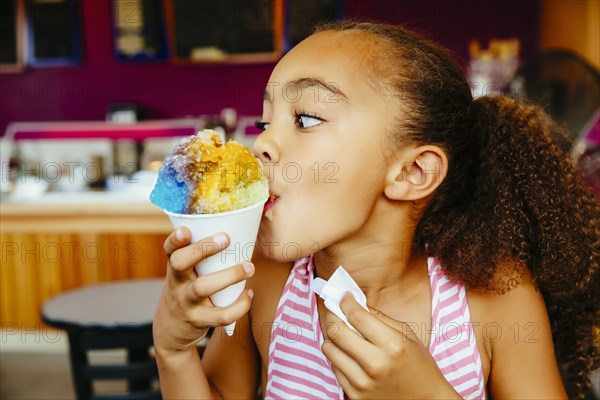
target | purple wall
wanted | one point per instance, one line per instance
(169, 91)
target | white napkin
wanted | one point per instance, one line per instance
(333, 290)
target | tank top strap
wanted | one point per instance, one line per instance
(297, 367)
(453, 344)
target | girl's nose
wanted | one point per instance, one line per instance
(266, 148)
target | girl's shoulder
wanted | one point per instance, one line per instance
(521, 299)
(509, 316)
(513, 331)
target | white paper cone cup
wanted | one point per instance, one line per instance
(242, 228)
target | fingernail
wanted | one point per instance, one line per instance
(250, 293)
(249, 268)
(179, 234)
(220, 239)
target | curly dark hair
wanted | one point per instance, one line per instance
(511, 197)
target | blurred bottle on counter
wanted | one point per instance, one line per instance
(96, 178)
(224, 123)
(228, 120)
(8, 165)
(490, 69)
(127, 153)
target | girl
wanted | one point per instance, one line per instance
(461, 220)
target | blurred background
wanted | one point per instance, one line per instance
(93, 94)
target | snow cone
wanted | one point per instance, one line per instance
(209, 187)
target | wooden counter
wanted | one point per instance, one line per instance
(52, 246)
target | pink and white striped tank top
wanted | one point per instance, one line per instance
(298, 369)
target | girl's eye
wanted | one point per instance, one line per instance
(261, 125)
(307, 121)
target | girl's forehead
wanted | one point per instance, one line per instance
(332, 47)
(334, 57)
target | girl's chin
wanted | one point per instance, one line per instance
(272, 251)
(278, 248)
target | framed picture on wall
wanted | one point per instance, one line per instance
(139, 30)
(232, 31)
(12, 32)
(301, 17)
(53, 32)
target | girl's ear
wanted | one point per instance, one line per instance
(416, 174)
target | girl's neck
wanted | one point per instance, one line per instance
(379, 257)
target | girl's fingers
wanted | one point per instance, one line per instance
(183, 259)
(364, 353)
(375, 326)
(205, 285)
(221, 316)
(346, 366)
(178, 238)
(349, 389)
(400, 326)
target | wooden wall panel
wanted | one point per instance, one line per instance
(36, 266)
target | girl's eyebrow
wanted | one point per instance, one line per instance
(303, 83)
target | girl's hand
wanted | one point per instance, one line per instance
(390, 362)
(185, 312)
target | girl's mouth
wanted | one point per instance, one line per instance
(267, 210)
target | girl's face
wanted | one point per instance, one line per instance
(322, 146)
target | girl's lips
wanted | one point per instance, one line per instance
(268, 205)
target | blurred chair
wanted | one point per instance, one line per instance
(109, 317)
(561, 82)
(568, 88)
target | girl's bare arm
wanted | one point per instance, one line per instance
(185, 313)
(523, 364)
(232, 363)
